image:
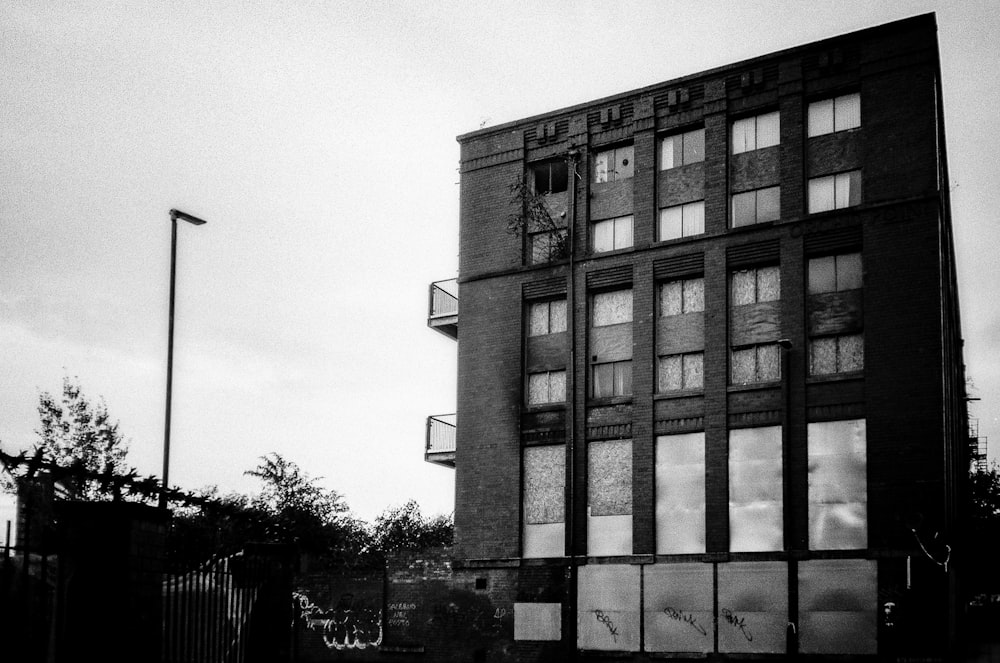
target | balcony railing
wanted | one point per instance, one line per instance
(440, 445)
(442, 310)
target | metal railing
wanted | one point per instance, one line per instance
(443, 298)
(441, 433)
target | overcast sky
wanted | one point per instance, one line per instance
(318, 140)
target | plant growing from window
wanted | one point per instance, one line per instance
(547, 239)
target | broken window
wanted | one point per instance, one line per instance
(546, 387)
(614, 164)
(544, 501)
(612, 234)
(680, 494)
(756, 521)
(835, 191)
(682, 220)
(836, 114)
(756, 206)
(546, 246)
(754, 133)
(682, 149)
(609, 497)
(549, 176)
(838, 485)
(547, 317)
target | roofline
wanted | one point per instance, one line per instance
(928, 17)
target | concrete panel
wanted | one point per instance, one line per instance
(608, 607)
(838, 604)
(753, 607)
(538, 621)
(678, 608)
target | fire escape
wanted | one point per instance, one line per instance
(977, 448)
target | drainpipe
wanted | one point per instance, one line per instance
(572, 157)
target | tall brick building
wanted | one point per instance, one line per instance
(711, 399)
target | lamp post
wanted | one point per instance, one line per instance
(174, 215)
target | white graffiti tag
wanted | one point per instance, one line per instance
(341, 628)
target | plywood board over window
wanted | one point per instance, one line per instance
(678, 608)
(608, 607)
(544, 501)
(609, 497)
(753, 607)
(756, 520)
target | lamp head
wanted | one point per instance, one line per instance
(177, 214)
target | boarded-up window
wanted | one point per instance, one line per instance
(608, 607)
(838, 488)
(546, 387)
(751, 286)
(682, 371)
(680, 494)
(755, 363)
(829, 355)
(835, 273)
(836, 114)
(682, 220)
(547, 317)
(754, 133)
(683, 296)
(755, 490)
(682, 149)
(613, 165)
(544, 501)
(609, 497)
(756, 206)
(538, 621)
(678, 602)
(835, 191)
(753, 607)
(838, 601)
(612, 234)
(611, 308)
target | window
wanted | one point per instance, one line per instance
(837, 114)
(612, 378)
(751, 286)
(544, 501)
(755, 363)
(612, 234)
(835, 191)
(549, 177)
(829, 355)
(682, 149)
(756, 206)
(683, 296)
(612, 308)
(546, 387)
(682, 371)
(756, 522)
(547, 246)
(838, 485)
(613, 165)
(609, 497)
(835, 273)
(547, 317)
(682, 220)
(754, 133)
(680, 493)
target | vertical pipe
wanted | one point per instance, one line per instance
(571, 576)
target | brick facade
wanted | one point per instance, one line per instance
(909, 395)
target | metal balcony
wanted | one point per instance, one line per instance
(440, 446)
(442, 311)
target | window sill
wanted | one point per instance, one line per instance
(754, 387)
(680, 393)
(614, 252)
(678, 240)
(836, 377)
(610, 400)
(753, 226)
(545, 407)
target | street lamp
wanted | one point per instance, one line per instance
(174, 215)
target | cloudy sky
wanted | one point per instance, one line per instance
(318, 140)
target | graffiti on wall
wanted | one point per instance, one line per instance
(348, 625)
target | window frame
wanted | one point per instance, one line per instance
(612, 174)
(810, 133)
(757, 377)
(733, 225)
(684, 372)
(837, 257)
(684, 284)
(547, 303)
(552, 252)
(838, 355)
(756, 132)
(534, 167)
(548, 387)
(684, 223)
(853, 175)
(615, 221)
(683, 137)
(617, 368)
